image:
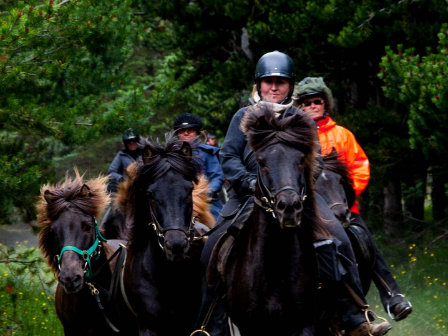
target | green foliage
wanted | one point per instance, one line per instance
(64, 76)
(26, 294)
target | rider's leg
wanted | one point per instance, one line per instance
(388, 288)
(350, 311)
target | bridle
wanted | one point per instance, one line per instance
(267, 201)
(160, 231)
(87, 255)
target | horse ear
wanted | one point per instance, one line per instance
(185, 150)
(85, 191)
(333, 152)
(148, 153)
(47, 196)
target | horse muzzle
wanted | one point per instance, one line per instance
(71, 277)
(176, 245)
(288, 209)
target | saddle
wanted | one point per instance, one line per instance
(225, 244)
(362, 244)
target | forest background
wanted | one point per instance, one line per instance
(74, 74)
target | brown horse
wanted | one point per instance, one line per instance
(75, 250)
(163, 272)
(269, 269)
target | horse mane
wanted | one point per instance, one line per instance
(201, 199)
(201, 202)
(335, 164)
(297, 130)
(70, 193)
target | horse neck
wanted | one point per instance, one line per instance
(268, 239)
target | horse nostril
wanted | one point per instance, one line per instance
(281, 205)
(298, 206)
(168, 245)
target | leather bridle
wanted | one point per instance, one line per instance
(160, 231)
(267, 201)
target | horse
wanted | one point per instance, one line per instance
(75, 251)
(162, 274)
(335, 185)
(268, 265)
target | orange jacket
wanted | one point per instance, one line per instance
(331, 135)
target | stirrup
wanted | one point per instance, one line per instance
(366, 311)
(388, 304)
(202, 330)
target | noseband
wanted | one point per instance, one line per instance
(160, 231)
(268, 201)
(87, 255)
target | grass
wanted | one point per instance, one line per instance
(27, 301)
(26, 294)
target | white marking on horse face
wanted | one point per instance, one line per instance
(324, 176)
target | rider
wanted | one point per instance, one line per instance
(316, 99)
(124, 158)
(274, 83)
(188, 127)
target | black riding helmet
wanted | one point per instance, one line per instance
(276, 64)
(188, 120)
(130, 134)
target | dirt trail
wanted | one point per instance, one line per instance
(20, 233)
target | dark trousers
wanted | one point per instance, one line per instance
(379, 272)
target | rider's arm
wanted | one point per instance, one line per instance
(231, 155)
(116, 169)
(358, 163)
(214, 173)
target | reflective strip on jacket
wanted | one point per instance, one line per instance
(332, 135)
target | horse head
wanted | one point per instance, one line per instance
(285, 150)
(166, 182)
(335, 185)
(70, 238)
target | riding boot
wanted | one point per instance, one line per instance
(390, 294)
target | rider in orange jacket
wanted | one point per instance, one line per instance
(316, 99)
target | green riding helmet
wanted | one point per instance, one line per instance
(314, 86)
(130, 134)
(275, 63)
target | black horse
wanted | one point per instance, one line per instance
(163, 273)
(335, 185)
(266, 260)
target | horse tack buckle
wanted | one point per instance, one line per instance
(92, 288)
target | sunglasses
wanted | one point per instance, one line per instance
(315, 102)
(130, 141)
(186, 131)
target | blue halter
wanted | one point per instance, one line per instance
(86, 254)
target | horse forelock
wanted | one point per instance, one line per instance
(335, 164)
(67, 194)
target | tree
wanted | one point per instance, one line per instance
(63, 76)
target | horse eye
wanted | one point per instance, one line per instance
(87, 228)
